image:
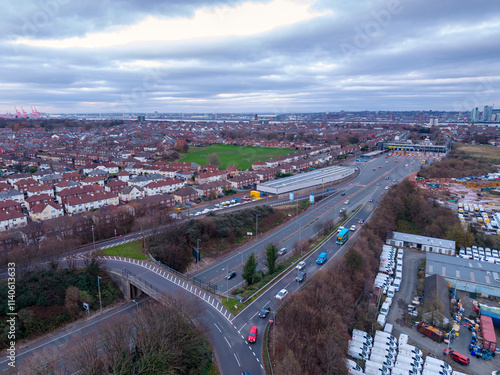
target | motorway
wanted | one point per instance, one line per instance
(228, 333)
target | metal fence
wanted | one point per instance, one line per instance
(212, 288)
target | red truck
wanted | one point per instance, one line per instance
(488, 333)
(434, 333)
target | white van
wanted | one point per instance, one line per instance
(386, 335)
(353, 365)
(381, 319)
(403, 339)
(357, 353)
(362, 333)
(411, 349)
(438, 362)
(436, 368)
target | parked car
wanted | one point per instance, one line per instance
(457, 357)
(281, 294)
(265, 310)
(230, 275)
(252, 335)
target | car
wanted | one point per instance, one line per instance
(394, 180)
(230, 275)
(457, 357)
(374, 169)
(265, 310)
(386, 188)
(282, 251)
(322, 258)
(252, 335)
(361, 221)
(301, 277)
(370, 200)
(353, 227)
(347, 201)
(342, 209)
(380, 166)
(395, 161)
(301, 265)
(281, 294)
(342, 194)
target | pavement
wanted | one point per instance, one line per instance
(411, 262)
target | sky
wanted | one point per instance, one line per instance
(275, 56)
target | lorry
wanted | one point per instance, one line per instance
(432, 332)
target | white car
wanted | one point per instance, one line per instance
(353, 227)
(347, 201)
(281, 294)
(301, 265)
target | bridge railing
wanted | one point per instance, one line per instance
(212, 288)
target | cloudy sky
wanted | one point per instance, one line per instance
(249, 56)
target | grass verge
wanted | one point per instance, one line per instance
(132, 250)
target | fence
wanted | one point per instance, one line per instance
(212, 288)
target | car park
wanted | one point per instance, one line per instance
(301, 265)
(265, 310)
(252, 335)
(281, 294)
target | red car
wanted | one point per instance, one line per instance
(457, 357)
(380, 166)
(252, 335)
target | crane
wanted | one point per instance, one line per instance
(34, 112)
(24, 112)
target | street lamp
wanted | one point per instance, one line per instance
(256, 225)
(136, 303)
(199, 255)
(99, 286)
(241, 253)
(227, 283)
(93, 238)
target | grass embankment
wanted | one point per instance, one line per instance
(242, 156)
(132, 249)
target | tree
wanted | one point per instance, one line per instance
(32, 170)
(271, 256)
(249, 269)
(213, 158)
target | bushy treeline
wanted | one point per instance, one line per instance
(48, 297)
(459, 163)
(158, 339)
(314, 326)
(173, 246)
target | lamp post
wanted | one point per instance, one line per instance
(99, 287)
(199, 255)
(227, 283)
(256, 225)
(93, 238)
(136, 303)
(241, 253)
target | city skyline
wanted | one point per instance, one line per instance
(278, 56)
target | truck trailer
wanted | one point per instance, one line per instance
(432, 332)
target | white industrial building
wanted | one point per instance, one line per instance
(306, 180)
(430, 244)
(465, 274)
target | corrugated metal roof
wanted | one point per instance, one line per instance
(423, 240)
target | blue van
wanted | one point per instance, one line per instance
(322, 258)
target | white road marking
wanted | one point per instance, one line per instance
(216, 326)
(254, 315)
(237, 359)
(241, 328)
(227, 342)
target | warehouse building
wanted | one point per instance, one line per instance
(430, 244)
(306, 180)
(466, 275)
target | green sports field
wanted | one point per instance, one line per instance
(242, 156)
